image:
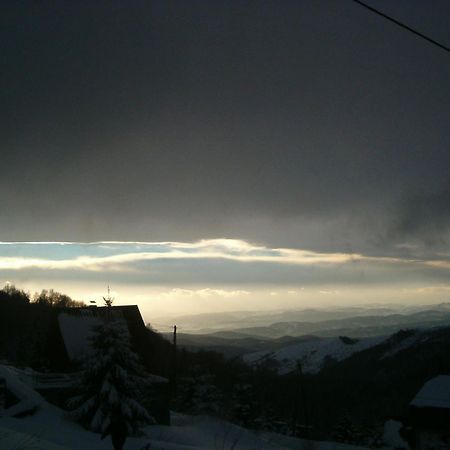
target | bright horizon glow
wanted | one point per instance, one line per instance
(213, 275)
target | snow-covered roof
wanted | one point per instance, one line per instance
(435, 393)
(76, 331)
(76, 325)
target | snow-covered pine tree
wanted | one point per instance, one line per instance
(110, 384)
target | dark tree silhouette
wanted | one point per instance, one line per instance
(111, 386)
(11, 294)
(56, 299)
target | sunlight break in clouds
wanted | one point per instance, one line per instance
(202, 293)
(120, 255)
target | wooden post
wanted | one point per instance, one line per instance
(2, 394)
(174, 362)
(301, 381)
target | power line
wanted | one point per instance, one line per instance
(406, 27)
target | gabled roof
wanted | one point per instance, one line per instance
(435, 393)
(76, 330)
(76, 325)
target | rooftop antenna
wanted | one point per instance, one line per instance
(108, 299)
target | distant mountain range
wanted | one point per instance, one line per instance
(278, 335)
(359, 326)
(238, 321)
(211, 322)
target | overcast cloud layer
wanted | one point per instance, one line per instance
(309, 124)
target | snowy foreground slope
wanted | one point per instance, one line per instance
(49, 431)
(47, 427)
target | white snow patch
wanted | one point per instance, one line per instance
(28, 398)
(391, 435)
(417, 337)
(39, 380)
(12, 439)
(403, 345)
(435, 393)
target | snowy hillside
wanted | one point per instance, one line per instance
(314, 354)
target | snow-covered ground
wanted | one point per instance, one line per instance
(50, 428)
(38, 380)
(313, 354)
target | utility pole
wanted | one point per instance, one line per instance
(174, 362)
(300, 402)
(301, 382)
(2, 394)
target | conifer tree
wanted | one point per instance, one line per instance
(111, 383)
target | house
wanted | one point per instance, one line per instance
(76, 327)
(52, 340)
(429, 415)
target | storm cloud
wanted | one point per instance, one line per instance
(424, 218)
(312, 125)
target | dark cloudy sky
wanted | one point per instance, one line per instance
(307, 124)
